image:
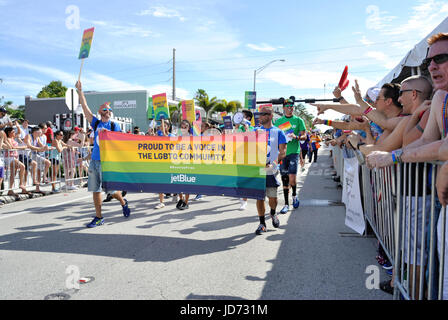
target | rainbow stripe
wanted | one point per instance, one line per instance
(230, 165)
(286, 127)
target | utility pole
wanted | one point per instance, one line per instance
(174, 74)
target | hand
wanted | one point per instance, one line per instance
(442, 184)
(320, 108)
(443, 151)
(337, 92)
(318, 121)
(423, 107)
(78, 85)
(357, 93)
(379, 159)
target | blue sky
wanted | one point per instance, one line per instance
(218, 44)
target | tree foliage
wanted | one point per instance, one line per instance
(54, 89)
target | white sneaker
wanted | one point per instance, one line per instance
(243, 204)
(72, 188)
(159, 206)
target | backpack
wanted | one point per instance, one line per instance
(112, 125)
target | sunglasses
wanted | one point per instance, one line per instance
(400, 93)
(107, 109)
(438, 59)
(265, 113)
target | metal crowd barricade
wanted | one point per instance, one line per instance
(45, 172)
(402, 209)
(338, 162)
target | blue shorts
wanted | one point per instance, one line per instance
(95, 179)
(289, 164)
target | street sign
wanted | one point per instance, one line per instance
(71, 96)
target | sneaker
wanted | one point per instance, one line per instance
(57, 190)
(179, 203)
(124, 193)
(72, 188)
(285, 209)
(243, 204)
(261, 228)
(198, 197)
(295, 202)
(96, 222)
(275, 221)
(183, 206)
(108, 198)
(126, 210)
(386, 287)
(387, 265)
(159, 206)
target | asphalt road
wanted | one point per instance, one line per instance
(209, 251)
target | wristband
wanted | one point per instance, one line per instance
(394, 160)
(328, 122)
(367, 110)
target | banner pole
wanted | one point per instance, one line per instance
(80, 70)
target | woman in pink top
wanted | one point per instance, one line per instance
(11, 159)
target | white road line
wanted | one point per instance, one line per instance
(50, 206)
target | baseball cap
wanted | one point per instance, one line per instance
(77, 128)
(3, 110)
(288, 102)
(373, 93)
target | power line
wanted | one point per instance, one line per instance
(299, 52)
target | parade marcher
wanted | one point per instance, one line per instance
(95, 175)
(276, 152)
(294, 128)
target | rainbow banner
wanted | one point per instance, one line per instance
(230, 165)
(286, 127)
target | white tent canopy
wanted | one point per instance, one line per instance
(413, 59)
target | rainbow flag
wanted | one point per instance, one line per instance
(196, 128)
(231, 165)
(286, 127)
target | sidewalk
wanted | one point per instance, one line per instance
(321, 257)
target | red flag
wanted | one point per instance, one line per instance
(343, 82)
(344, 85)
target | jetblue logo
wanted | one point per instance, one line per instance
(182, 178)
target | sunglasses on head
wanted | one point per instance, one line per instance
(438, 59)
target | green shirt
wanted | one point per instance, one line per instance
(297, 125)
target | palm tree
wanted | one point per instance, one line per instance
(205, 102)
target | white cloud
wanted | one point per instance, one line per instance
(377, 19)
(424, 17)
(385, 60)
(365, 41)
(263, 47)
(162, 12)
